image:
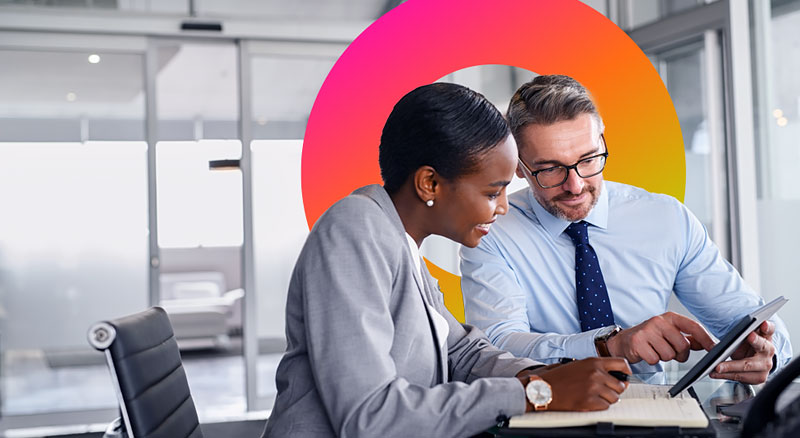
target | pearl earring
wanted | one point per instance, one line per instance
(429, 203)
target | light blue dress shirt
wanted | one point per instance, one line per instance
(519, 283)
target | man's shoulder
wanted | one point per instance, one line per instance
(520, 197)
(619, 193)
(519, 220)
(520, 211)
(635, 208)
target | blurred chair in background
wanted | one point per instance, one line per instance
(202, 311)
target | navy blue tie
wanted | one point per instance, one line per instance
(594, 307)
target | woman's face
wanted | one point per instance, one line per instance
(469, 204)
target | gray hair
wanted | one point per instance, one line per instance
(549, 99)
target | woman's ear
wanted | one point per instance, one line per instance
(425, 183)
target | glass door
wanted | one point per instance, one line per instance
(199, 221)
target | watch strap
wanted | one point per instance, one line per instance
(601, 342)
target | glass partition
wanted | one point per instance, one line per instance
(777, 119)
(693, 78)
(200, 216)
(642, 12)
(73, 228)
(285, 82)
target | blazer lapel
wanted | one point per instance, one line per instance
(379, 195)
(428, 291)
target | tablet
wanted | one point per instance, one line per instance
(727, 344)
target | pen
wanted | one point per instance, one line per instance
(619, 375)
(622, 377)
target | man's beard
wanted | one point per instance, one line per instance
(570, 215)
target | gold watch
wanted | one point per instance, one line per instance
(539, 393)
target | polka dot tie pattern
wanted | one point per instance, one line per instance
(594, 306)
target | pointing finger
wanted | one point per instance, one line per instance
(692, 328)
(694, 344)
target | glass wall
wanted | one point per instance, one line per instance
(308, 9)
(285, 79)
(776, 67)
(73, 228)
(641, 12)
(693, 76)
(74, 181)
(200, 216)
(690, 52)
(74, 160)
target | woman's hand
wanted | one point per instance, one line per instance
(583, 385)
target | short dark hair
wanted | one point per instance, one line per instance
(445, 126)
(549, 99)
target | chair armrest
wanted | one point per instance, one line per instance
(232, 296)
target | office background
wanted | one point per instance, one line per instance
(142, 164)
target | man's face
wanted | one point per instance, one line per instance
(563, 143)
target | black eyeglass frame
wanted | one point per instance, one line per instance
(535, 173)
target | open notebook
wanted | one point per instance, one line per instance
(658, 405)
(639, 405)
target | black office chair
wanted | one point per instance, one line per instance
(148, 377)
(763, 419)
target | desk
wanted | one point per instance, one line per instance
(712, 393)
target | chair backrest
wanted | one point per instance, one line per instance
(148, 375)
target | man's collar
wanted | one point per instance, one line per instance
(555, 225)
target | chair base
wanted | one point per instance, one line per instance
(116, 429)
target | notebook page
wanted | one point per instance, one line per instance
(642, 390)
(626, 412)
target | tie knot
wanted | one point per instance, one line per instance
(578, 232)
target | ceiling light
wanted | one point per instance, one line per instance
(94, 58)
(782, 121)
(777, 113)
(71, 97)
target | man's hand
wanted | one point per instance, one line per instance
(752, 360)
(663, 337)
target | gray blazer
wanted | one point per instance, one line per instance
(363, 358)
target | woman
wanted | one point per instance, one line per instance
(372, 351)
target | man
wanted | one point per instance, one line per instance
(580, 267)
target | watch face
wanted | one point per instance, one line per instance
(539, 392)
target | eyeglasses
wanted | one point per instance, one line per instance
(557, 175)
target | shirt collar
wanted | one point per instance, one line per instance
(555, 225)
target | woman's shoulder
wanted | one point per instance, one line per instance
(363, 213)
(354, 228)
(352, 209)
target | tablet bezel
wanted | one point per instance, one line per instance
(726, 346)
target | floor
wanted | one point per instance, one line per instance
(36, 384)
(238, 429)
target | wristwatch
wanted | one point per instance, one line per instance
(602, 337)
(539, 393)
